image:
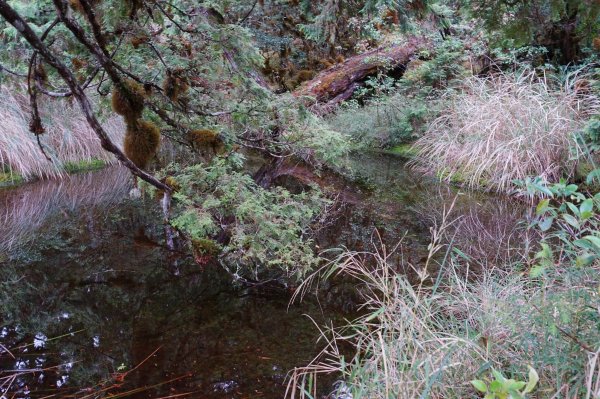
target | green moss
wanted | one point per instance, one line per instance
(84, 165)
(10, 179)
(205, 247)
(404, 150)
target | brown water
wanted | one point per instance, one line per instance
(92, 304)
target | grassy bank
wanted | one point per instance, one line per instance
(498, 129)
(67, 144)
(9, 178)
(471, 326)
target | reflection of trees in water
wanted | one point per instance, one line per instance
(24, 209)
(112, 282)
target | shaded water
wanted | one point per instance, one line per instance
(89, 293)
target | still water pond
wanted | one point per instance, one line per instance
(93, 305)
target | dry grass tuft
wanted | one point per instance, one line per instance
(506, 127)
(431, 338)
(68, 137)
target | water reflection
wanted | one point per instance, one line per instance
(90, 304)
(93, 294)
(24, 209)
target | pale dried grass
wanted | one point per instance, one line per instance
(506, 127)
(68, 137)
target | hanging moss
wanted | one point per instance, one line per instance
(76, 5)
(40, 73)
(206, 138)
(78, 63)
(141, 142)
(173, 183)
(203, 137)
(129, 101)
(139, 40)
(175, 84)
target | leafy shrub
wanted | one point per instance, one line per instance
(269, 231)
(443, 66)
(384, 121)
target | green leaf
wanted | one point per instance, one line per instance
(532, 381)
(498, 376)
(479, 385)
(542, 206)
(585, 244)
(573, 208)
(571, 220)
(594, 174)
(513, 384)
(496, 386)
(585, 260)
(545, 223)
(536, 271)
(594, 240)
(586, 206)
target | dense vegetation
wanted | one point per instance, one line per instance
(214, 106)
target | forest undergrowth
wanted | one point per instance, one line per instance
(525, 328)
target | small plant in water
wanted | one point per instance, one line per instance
(501, 387)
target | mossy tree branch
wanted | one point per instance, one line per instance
(13, 18)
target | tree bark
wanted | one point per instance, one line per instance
(338, 83)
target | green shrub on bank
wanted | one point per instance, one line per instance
(384, 122)
(265, 232)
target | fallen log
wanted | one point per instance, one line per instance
(338, 83)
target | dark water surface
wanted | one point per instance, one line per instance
(92, 305)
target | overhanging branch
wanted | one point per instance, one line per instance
(13, 18)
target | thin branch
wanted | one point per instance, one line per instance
(249, 13)
(10, 72)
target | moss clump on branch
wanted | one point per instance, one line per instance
(206, 138)
(137, 41)
(128, 100)
(203, 137)
(175, 84)
(141, 142)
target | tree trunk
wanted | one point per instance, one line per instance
(338, 83)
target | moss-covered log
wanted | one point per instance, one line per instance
(339, 82)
